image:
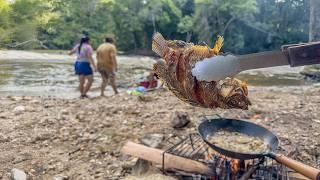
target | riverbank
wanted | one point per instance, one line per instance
(81, 139)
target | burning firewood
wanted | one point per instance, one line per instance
(235, 163)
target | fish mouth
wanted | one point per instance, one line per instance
(238, 101)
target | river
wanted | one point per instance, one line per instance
(42, 74)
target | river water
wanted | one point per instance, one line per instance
(56, 77)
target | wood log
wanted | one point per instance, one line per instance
(171, 161)
(296, 176)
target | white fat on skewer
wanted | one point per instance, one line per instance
(216, 68)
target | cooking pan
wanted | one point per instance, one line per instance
(209, 127)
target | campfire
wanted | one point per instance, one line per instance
(191, 158)
(223, 167)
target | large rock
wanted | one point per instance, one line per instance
(17, 174)
(152, 140)
(180, 120)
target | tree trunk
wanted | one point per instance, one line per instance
(189, 35)
(227, 25)
(154, 23)
(314, 28)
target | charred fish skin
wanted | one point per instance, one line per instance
(179, 59)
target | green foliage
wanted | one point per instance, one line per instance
(215, 17)
(4, 21)
(247, 25)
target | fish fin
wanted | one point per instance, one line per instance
(218, 45)
(159, 44)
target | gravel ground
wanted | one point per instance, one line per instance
(81, 139)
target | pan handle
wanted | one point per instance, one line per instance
(299, 167)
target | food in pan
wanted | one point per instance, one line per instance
(238, 142)
(180, 57)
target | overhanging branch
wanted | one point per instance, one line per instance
(15, 45)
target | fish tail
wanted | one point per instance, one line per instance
(159, 44)
(218, 45)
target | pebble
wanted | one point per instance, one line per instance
(64, 112)
(35, 101)
(316, 120)
(4, 138)
(180, 120)
(15, 98)
(4, 115)
(60, 177)
(17, 174)
(19, 110)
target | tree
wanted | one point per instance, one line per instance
(216, 17)
(247, 25)
(22, 20)
(276, 22)
(314, 28)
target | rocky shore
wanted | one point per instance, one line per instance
(81, 139)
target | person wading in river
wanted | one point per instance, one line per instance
(82, 66)
(107, 64)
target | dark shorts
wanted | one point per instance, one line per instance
(83, 68)
(107, 74)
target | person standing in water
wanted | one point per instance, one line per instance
(107, 64)
(82, 66)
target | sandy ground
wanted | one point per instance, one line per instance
(81, 139)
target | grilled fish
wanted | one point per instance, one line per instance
(179, 59)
